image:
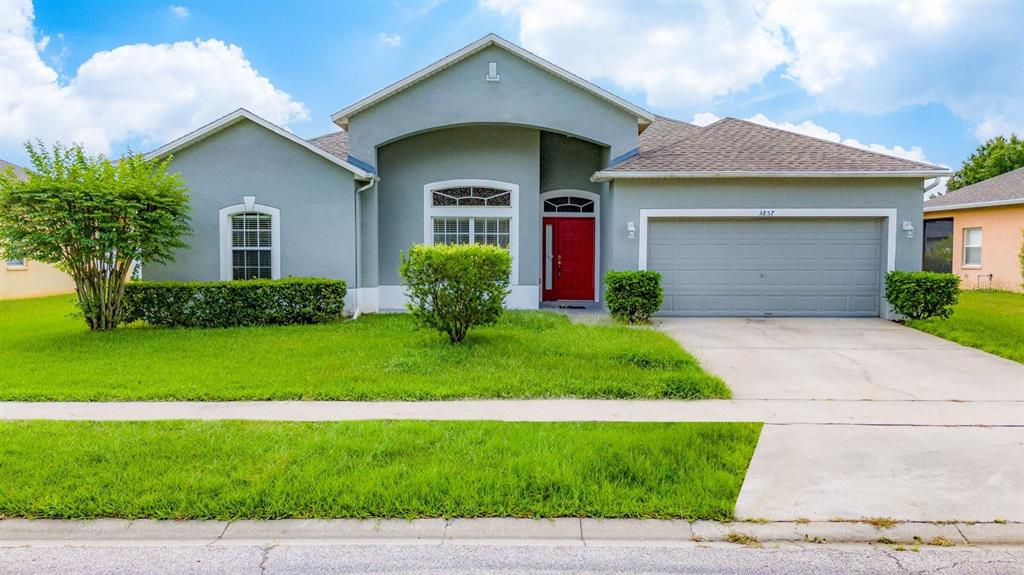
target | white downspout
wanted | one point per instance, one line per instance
(358, 245)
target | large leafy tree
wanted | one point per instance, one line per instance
(93, 219)
(996, 156)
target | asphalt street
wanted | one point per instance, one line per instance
(506, 558)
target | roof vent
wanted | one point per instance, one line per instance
(492, 72)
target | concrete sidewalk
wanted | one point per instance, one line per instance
(563, 531)
(776, 412)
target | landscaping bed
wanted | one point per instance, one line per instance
(266, 470)
(991, 321)
(49, 355)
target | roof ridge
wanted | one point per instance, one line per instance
(839, 144)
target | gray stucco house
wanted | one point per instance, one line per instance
(494, 144)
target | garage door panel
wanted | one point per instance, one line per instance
(768, 267)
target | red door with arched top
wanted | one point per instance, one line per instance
(568, 260)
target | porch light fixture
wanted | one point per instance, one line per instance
(631, 228)
(909, 228)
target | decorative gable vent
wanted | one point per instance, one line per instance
(492, 72)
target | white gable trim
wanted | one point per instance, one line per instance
(341, 117)
(243, 114)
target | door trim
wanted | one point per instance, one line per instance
(767, 214)
(596, 198)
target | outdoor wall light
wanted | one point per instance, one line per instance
(909, 228)
(631, 228)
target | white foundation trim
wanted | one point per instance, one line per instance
(391, 298)
(249, 205)
(367, 300)
(775, 213)
(596, 198)
(511, 212)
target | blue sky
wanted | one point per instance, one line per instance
(923, 80)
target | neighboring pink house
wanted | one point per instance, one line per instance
(976, 232)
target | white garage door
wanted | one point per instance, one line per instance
(768, 267)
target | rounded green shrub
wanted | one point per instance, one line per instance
(633, 296)
(452, 288)
(921, 295)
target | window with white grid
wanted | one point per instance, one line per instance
(493, 231)
(251, 244)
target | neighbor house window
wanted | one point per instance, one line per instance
(972, 246)
(251, 243)
(16, 263)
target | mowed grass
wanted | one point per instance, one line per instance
(48, 354)
(265, 470)
(992, 321)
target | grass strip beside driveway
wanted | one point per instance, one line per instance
(405, 469)
(991, 321)
(48, 355)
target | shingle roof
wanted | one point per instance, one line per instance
(737, 146)
(334, 143)
(1006, 188)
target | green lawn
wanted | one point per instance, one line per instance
(49, 355)
(992, 321)
(264, 470)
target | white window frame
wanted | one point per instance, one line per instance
(13, 265)
(510, 211)
(596, 216)
(980, 246)
(249, 205)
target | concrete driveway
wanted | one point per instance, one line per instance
(851, 359)
(934, 470)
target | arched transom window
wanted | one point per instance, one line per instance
(251, 244)
(569, 205)
(471, 196)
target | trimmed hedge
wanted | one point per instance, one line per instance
(452, 288)
(921, 295)
(234, 303)
(633, 296)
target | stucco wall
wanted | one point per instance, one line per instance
(315, 196)
(628, 197)
(566, 163)
(503, 153)
(34, 279)
(1001, 229)
(526, 95)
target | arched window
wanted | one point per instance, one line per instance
(250, 241)
(569, 205)
(472, 212)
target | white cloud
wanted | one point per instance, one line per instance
(389, 40)
(677, 54)
(141, 92)
(881, 57)
(180, 12)
(867, 57)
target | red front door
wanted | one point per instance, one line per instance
(568, 259)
